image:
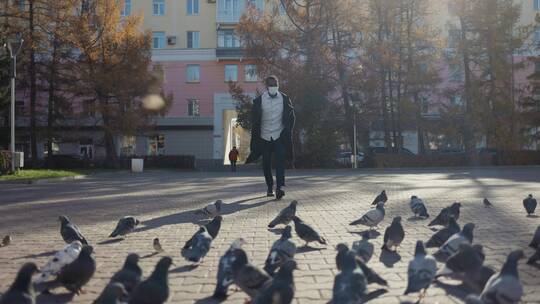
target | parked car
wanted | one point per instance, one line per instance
(344, 158)
(385, 150)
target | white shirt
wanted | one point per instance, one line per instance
(272, 116)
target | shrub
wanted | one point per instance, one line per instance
(5, 162)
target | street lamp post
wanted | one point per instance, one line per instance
(355, 158)
(14, 47)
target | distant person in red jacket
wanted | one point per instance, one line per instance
(233, 157)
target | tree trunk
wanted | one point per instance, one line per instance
(468, 136)
(51, 105)
(33, 93)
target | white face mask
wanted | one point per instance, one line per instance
(273, 90)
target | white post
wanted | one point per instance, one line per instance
(355, 153)
(14, 64)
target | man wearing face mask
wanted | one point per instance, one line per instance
(272, 122)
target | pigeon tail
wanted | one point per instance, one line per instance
(533, 244)
(114, 234)
(321, 240)
(473, 299)
(272, 224)
(357, 222)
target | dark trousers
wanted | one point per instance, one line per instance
(274, 148)
(233, 165)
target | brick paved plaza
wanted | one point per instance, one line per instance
(328, 200)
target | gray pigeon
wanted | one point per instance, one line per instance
(478, 279)
(306, 233)
(350, 284)
(285, 216)
(6, 241)
(451, 246)
(535, 257)
(371, 218)
(418, 207)
(444, 216)
(487, 203)
(211, 227)
(76, 274)
(70, 232)
(202, 241)
(363, 248)
(370, 275)
(211, 210)
(380, 198)
(504, 287)
(130, 274)
(441, 236)
(535, 242)
(112, 294)
(529, 203)
(421, 271)
(281, 290)
(225, 274)
(155, 289)
(282, 250)
(393, 235)
(465, 261)
(22, 290)
(125, 225)
(248, 277)
(157, 245)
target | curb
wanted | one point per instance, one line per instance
(43, 180)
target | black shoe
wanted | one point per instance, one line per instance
(269, 193)
(279, 194)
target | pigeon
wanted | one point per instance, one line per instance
(441, 236)
(504, 287)
(157, 245)
(200, 245)
(530, 204)
(370, 275)
(282, 250)
(155, 289)
(60, 259)
(211, 210)
(6, 241)
(130, 274)
(535, 257)
(211, 227)
(444, 216)
(225, 275)
(125, 225)
(281, 290)
(380, 198)
(421, 271)
(248, 277)
(418, 207)
(306, 233)
(285, 216)
(350, 284)
(487, 203)
(478, 279)
(466, 260)
(536, 238)
(76, 274)
(70, 232)
(451, 246)
(363, 248)
(22, 290)
(112, 294)
(371, 218)
(394, 234)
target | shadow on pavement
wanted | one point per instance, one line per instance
(307, 249)
(184, 268)
(389, 258)
(372, 234)
(39, 255)
(55, 298)
(458, 291)
(416, 219)
(111, 241)
(208, 300)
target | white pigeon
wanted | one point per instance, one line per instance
(421, 271)
(451, 246)
(211, 210)
(60, 259)
(371, 218)
(504, 287)
(418, 207)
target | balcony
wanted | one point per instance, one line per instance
(230, 53)
(230, 11)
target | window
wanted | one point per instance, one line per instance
(537, 67)
(227, 39)
(536, 5)
(21, 5)
(158, 7)
(156, 144)
(158, 40)
(456, 100)
(456, 73)
(193, 107)
(231, 72)
(282, 10)
(258, 4)
(192, 40)
(250, 72)
(193, 73)
(19, 107)
(192, 7)
(454, 36)
(89, 109)
(126, 10)
(128, 145)
(536, 36)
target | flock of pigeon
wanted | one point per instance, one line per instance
(73, 266)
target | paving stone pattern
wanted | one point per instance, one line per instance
(328, 200)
